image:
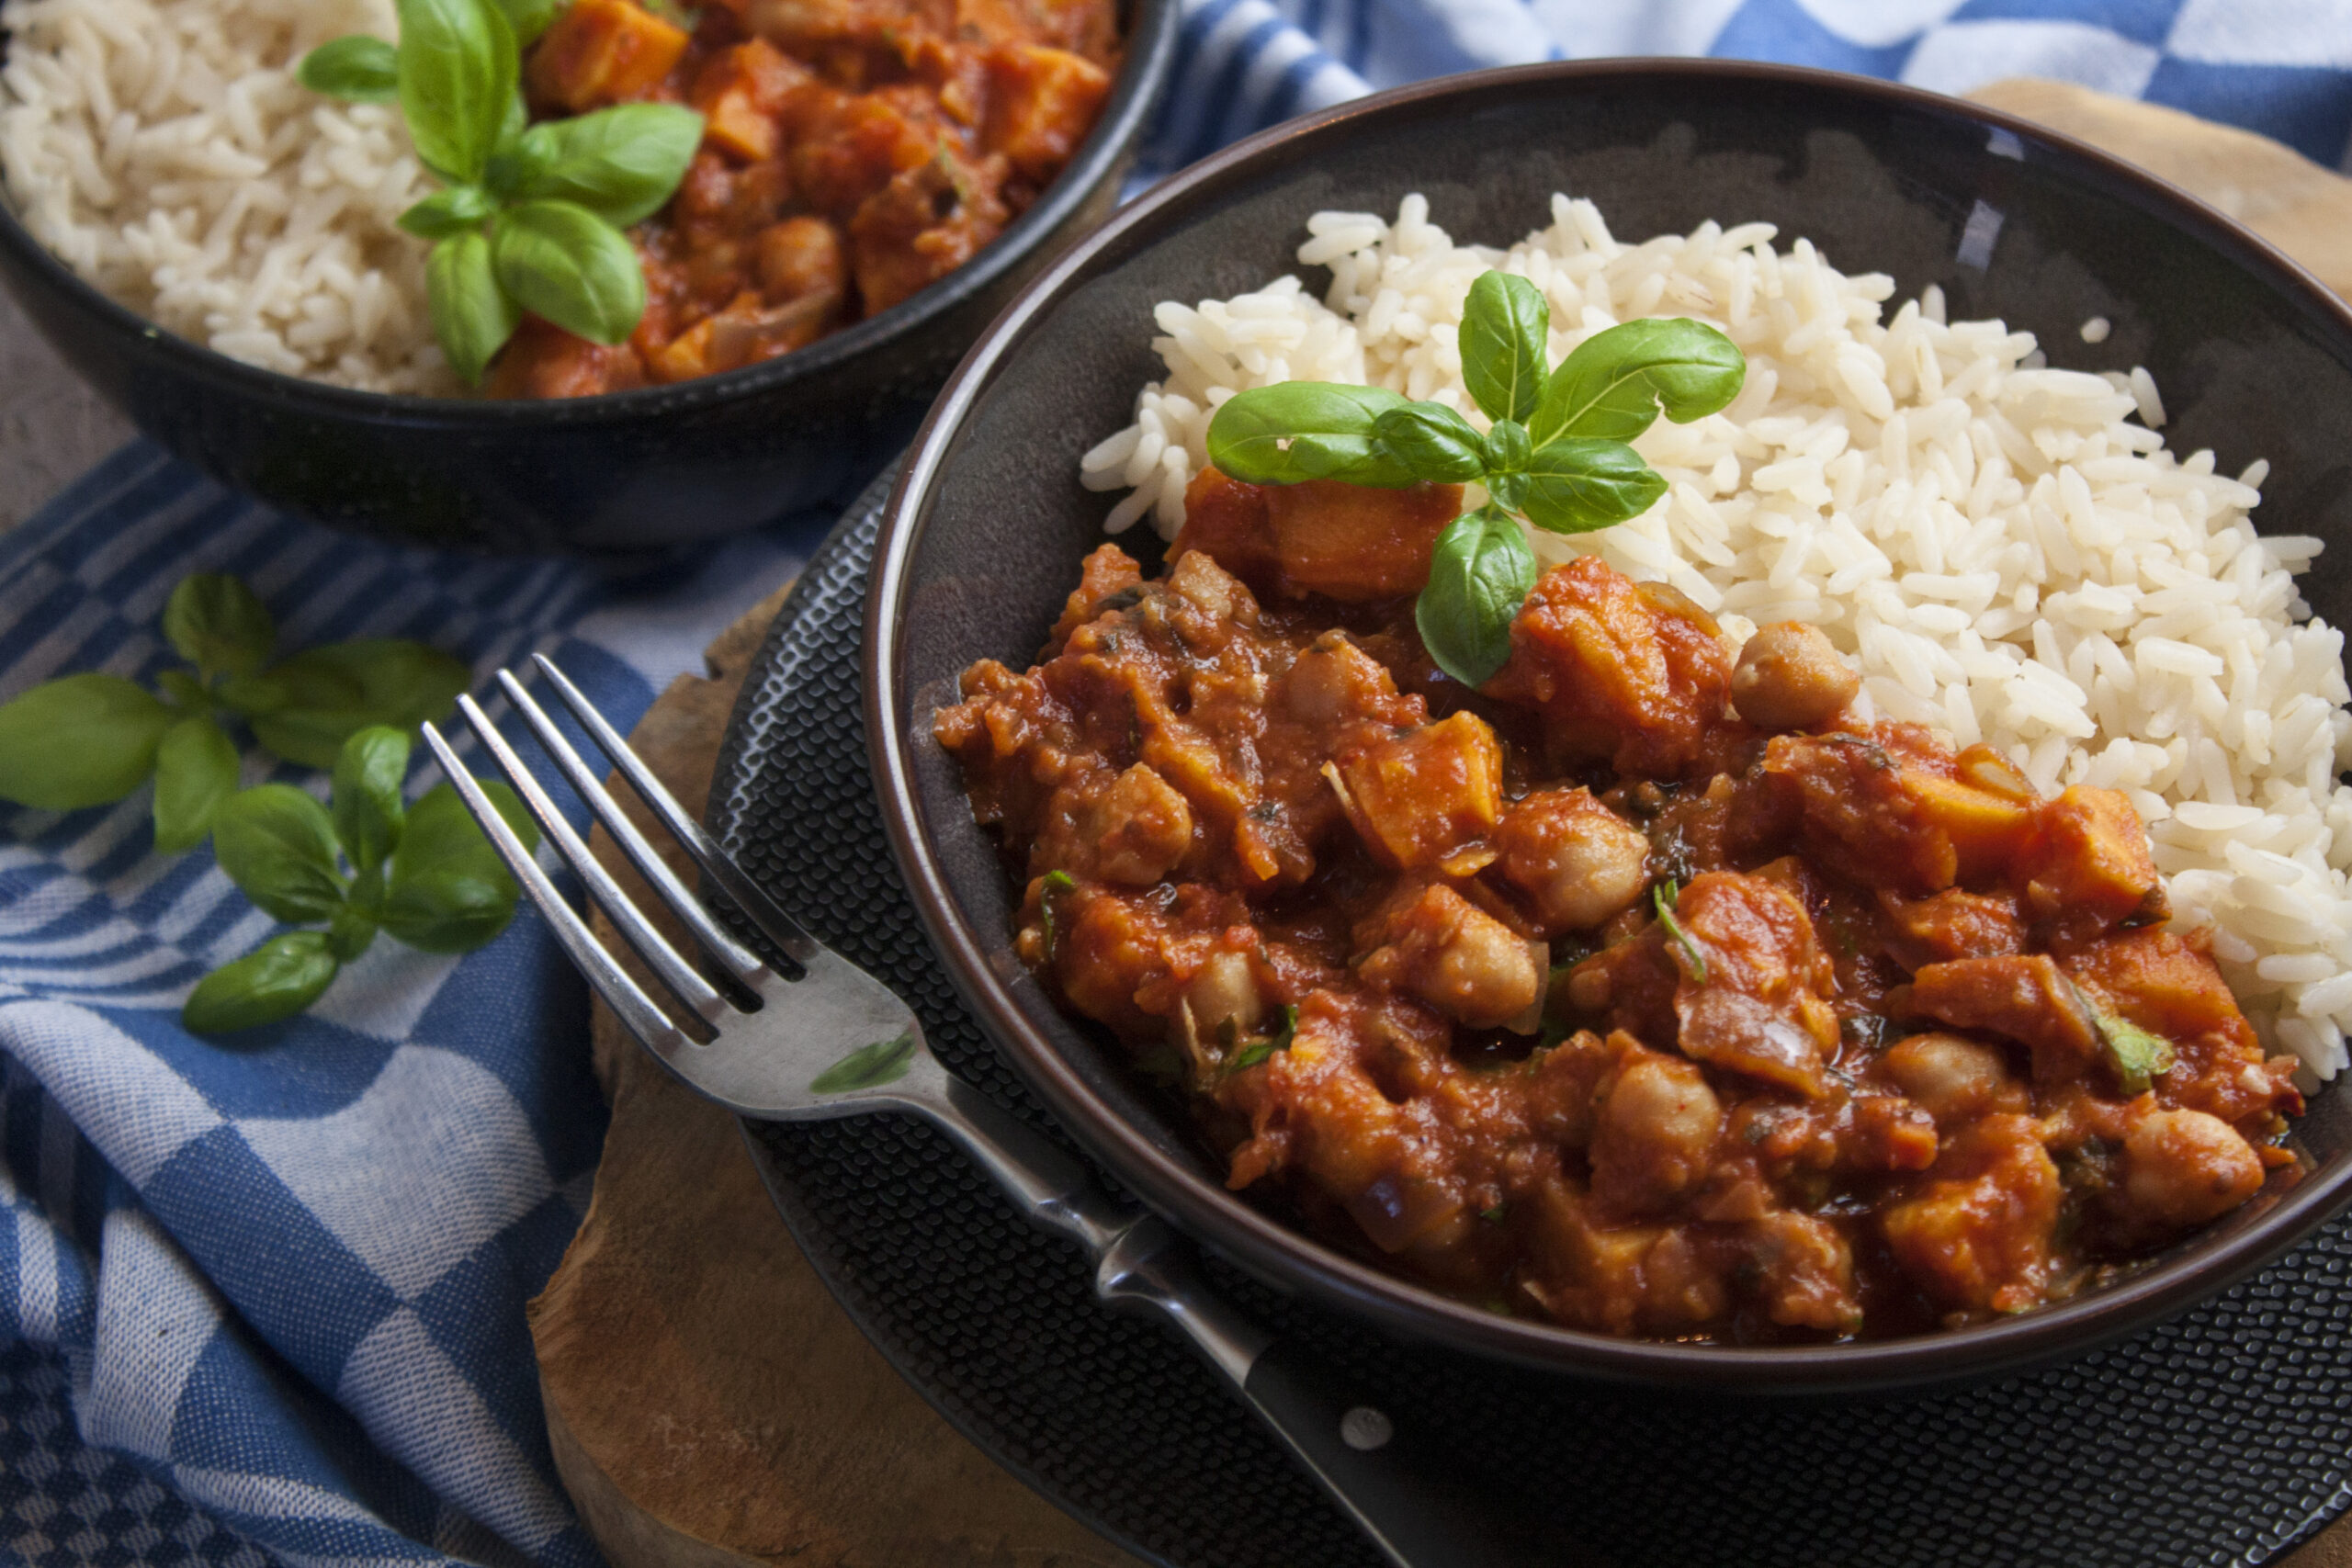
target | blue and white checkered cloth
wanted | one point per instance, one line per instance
(263, 1299)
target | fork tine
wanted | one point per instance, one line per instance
(674, 971)
(623, 995)
(740, 961)
(780, 926)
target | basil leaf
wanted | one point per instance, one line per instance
(1576, 486)
(215, 623)
(2137, 1055)
(1612, 387)
(529, 18)
(79, 741)
(458, 72)
(561, 261)
(275, 981)
(367, 806)
(620, 164)
(1664, 896)
(1432, 442)
(350, 933)
(277, 844)
(1506, 446)
(1056, 883)
(305, 708)
(1297, 431)
(472, 316)
(1256, 1051)
(196, 770)
(868, 1066)
(460, 209)
(181, 687)
(1479, 574)
(359, 70)
(1504, 345)
(448, 890)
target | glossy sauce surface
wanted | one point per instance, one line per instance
(854, 151)
(1645, 989)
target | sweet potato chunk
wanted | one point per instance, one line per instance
(1616, 674)
(1349, 542)
(2087, 868)
(1416, 799)
(1759, 1008)
(2023, 997)
(741, 92)
(1041, 103)
(603, 52)
(1978, 1233)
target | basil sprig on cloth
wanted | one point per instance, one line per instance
(532, 215)
(1555, 454)
(422, 873)
(90, 738)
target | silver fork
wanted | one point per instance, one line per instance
(829, 1040)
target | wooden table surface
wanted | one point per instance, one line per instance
(52, 426)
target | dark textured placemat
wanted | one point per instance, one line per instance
(2218, 1439)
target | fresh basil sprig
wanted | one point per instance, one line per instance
(424, 875)
(88, 739)
(1554, 455)
(532, 215)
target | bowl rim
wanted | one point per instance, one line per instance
(1271, 1249)
(1150, 46)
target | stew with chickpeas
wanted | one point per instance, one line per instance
(1643, 989)
(854, 151)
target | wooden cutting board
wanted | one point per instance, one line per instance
(709, 1405)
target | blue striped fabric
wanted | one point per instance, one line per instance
(263, 1300)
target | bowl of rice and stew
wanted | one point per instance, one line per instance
(598, 274)
(1676, 721)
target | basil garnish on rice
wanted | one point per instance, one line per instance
(531, 217)
(1555, 454)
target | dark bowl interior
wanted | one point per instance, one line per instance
(620, 474)
(986, 530)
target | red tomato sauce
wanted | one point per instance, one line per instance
(1645, 989)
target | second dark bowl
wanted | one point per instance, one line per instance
(624, 473)
(985, 533)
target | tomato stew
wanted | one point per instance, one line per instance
(1645, 989)
(854, 151)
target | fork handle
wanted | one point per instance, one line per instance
(1403, 1493)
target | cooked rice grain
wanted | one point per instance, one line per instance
(2009, 557)
(163, 150)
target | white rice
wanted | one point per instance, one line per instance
(163, 150)
(2008, 555)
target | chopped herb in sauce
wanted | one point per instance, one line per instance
(1664, 897)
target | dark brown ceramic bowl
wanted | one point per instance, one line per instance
(619, 474)
(989, 522)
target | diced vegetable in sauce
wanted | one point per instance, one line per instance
(853, 152)
(1645, 988)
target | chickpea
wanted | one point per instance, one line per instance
(1334, 679)
(2184, 1168)
(1142, 827)
(1482, 975)
(1658, 1126)
(1951, 1078)
(1791, 677)
(1578, 862)
(1199, 579)
(801, 256)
